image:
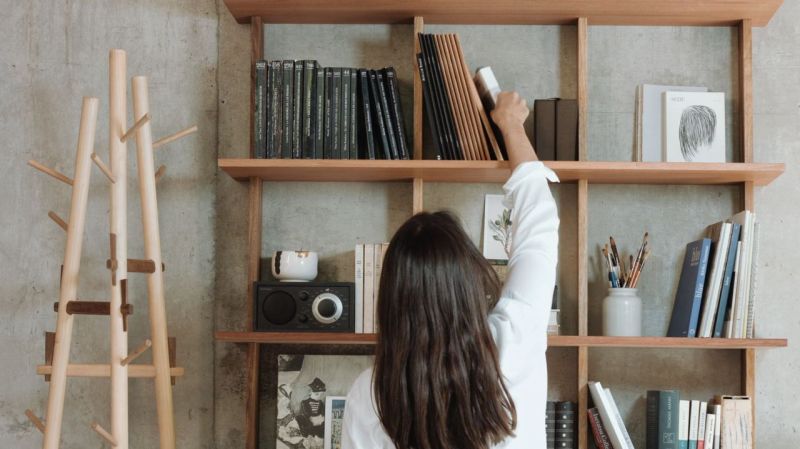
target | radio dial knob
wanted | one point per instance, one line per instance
(327, 308)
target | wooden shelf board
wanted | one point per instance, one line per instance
(599, 172)
(553, 341)
(598, 12)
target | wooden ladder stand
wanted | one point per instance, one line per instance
(57, 346)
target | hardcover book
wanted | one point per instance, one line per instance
(650, 124)
(344, 135)
(566, 130)
(720, 235)
(686, 309)
(276, 109)
(378, 117)
(662, 419)
(309, 110)
(297, 112)
(544, 128)
(397, 113)
(288, 109)
(694, 126)
(260, 111)
(723, 309)
(336, 114)
(366, 114)
(599, 432)
(354, 114)
(319, 110)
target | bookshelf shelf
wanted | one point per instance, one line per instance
(552, 341)
(538, 12)
(492, 171)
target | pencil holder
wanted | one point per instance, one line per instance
(622, 313)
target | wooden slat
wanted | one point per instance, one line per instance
(583, 275)
(746, 88)
(748, 380)
(595, 172)
(418, 196)
(583, 396)
(102, 370)
(583, 86)
(419, 26)
(553, 341)
(605, 12)
(256, 53)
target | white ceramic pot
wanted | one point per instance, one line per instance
(622, 313)
(294, 266)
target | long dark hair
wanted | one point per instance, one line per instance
(437, 377)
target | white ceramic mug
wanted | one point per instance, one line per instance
(294, 266)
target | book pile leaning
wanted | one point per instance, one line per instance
(368, 266)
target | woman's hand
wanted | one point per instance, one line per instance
(510, 111)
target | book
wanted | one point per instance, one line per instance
(309, 109)
(662, 419)
(727, 282)
(344, 135)
(544, 128)
(378, 116)
(358, 304)
(487, 86)
(701, 425)
(694, 126)
(709, 431)
(334, 418)
(599, 432)
(353, 114)
(566, 132)
(288, 109)
(379, 251)
(397, 113)
(683, 423)
(736, 428)
(720, 235)
(387, 117)
(336, 114)
(369, 287)
(694, 420)
(626, 437)
(276, 110)
(453, 150)
(751, 294)
(717, 425)
(550, 424)
(728, 329)
(297, 111)
(328, 134)
(452, 83)
(260, 111)
(565, 425)
(430, 111)
(607, 416)
(366, 114)
(649, 123)
(740, 305)
(319, 110)
(686, 309)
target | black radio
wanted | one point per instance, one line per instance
(304, 306)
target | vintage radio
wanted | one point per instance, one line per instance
(304, 307)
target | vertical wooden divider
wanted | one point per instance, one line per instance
(254, 249)
(748, 363)
(583, 199)
(417, 196)
(418, 106)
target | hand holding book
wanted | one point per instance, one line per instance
(509, 115)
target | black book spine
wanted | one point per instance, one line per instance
(308, 109)
(376, 102)
(336, 116)
(387, 116)
(366, 114)
(259, 111)
(447, 150)
(344, 101)
(288, 112)
(565, 425)
(430, 111)
(268, 132)
(327, 144)
(319, 111)
(353, 114)
(277, 109)
(397, 113)
(443, 98)
(297, 112)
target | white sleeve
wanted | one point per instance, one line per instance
(519, 320)
(360, 421)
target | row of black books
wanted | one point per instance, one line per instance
(560, 425)
(306, 111)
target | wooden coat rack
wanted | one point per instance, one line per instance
(57, 346)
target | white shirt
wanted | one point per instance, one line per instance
(518, 322)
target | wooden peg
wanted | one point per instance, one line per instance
(172, 346)
(49, 345)
(139, 351)
(59, 221)
(139, 123)
(49, 171)
(103, 167)
(112, 263)
(160, 172)
(35, 420)
(174, 137)
(102, 432)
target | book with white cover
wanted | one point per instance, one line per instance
(359, 302)
(607, 415)
(694, 127)
(749, 326)
(717, 424)
(739, 321)
(683, 424)
(694, 420)
(720, 234)
(369, 286)
(487, 85)
(613, 404)
(650, 125)
(701, 425)
(709, 437)
(380, 250)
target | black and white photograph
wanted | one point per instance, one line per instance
(694, 126)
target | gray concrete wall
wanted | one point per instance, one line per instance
(53, 53)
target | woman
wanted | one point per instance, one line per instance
(460, 363)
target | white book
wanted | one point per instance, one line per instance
(487, 85)
(720, 233)
(709, 437)
(694, 126)
(607, 415)
(751, 308)
(359, 301)
(613, 404)
(683, 421)
(650, 129)
(746, 219)
(701, 425)
(735, 287)
(717, 425)
(694, 421)
(369, 286)
(378, 269)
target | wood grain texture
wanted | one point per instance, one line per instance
(746, 89)
(419, 26)
(749, 385)
(583, 87)
(583, 246)
(418, 195)
(583, 397)
(103, 370)
(599, 172)
(599, 12)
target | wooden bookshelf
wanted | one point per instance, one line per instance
(741, 14)
(498, 172)
(564, 341)
(535, 12)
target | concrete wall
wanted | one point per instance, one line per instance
(53, 53)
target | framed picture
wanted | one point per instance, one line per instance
(334, 415)
(496, 230)
(694, 126)
(308, 392)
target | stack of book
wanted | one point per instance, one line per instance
(716, 291)
(368, 266)
(673, 423)
(555, 129)
(306, 111)
(454, 111)
(560, 424)
(608, 429)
